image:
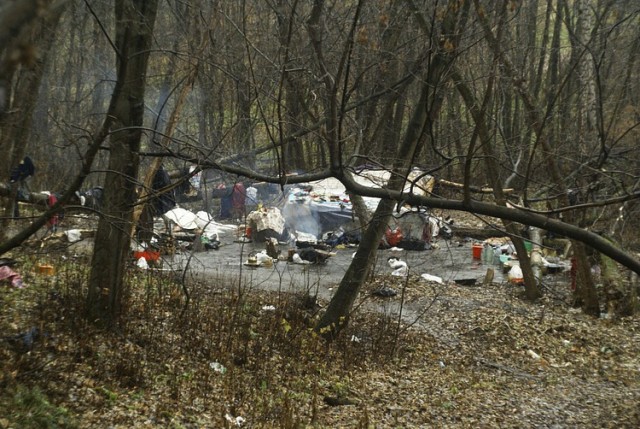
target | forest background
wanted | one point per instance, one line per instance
(530, 106)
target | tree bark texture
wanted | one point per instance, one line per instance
(134, 29)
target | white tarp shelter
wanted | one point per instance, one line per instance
(327, 207)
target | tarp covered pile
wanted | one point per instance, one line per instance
(324, 206)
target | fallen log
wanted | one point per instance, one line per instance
(25, 197)
(475, 189)
(477, 233)
(37, 199)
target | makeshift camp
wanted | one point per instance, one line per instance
(323, 206)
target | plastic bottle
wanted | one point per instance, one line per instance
(487, 254)
(496, 255)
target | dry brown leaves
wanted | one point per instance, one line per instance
(457, 357)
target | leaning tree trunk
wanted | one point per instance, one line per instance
(427, 107)
(134, 29)
(148, 193)
(586, 290)
(532, 290)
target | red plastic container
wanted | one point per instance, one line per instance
(477, 251)
(149, 255)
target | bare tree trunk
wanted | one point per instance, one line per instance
(134, 30)
(586, 287)
(147, 192)
(536, 252)
(15, 126)
(532, 289)
(427, 107)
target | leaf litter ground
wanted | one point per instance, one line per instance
(461, 357)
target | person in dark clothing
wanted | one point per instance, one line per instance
(24, 170)
(18, 179)
(165, 201)
(159, 203)
(225, 202)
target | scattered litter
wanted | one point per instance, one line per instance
(210, 244)
(238, 421)
(46, 269)
(298, 260)
(217, 367)
(315, 256)
(432, 278)
(533, 354)
(355, 339)
(147, 254)
(385, 292)
(142, 263)
(252, 261)
(515, 275)
(399, 267)
(7, 273)
(268, 308)
(73, 235)
(393, 236)
(263, 259)
(205, 222)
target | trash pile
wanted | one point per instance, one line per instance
(184, 231)
(501, 252)
(265, 223)
(324, 210)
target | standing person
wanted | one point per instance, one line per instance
(225, 201)
(18, 178)
(238, 197)
(251, 201)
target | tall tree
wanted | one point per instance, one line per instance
(135, 21)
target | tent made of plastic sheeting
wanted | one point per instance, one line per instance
(323, 206)
(316, 218)
(201, 220)
(417, 183)
(182, 217)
